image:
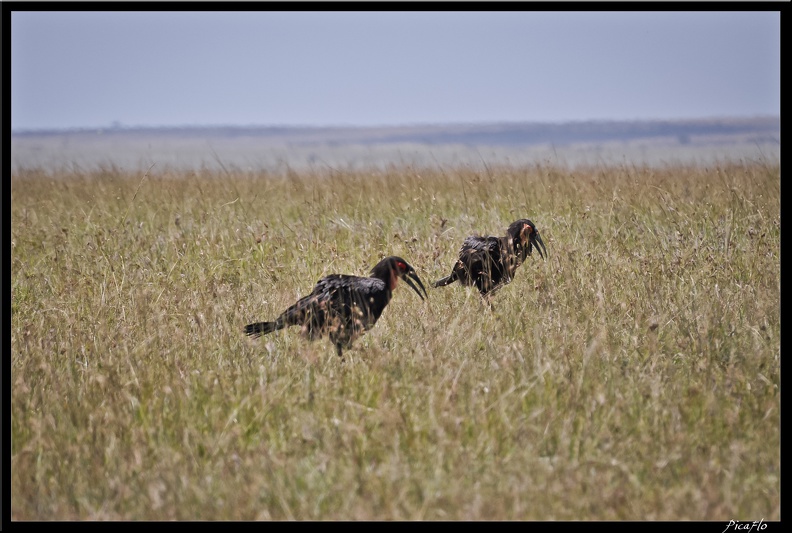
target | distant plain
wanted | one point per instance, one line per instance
(646, 143)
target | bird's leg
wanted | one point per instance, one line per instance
(486, 299)
(489, 303)
(496, 288)
(341, 355)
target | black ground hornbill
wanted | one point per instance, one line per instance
(489, 262)
(343, 307)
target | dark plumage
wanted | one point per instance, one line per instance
(490, 262)
(343, 307)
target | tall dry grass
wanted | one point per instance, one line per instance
(633, 375)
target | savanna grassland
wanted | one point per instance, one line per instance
(633, 375)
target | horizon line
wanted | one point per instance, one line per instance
(119, 126)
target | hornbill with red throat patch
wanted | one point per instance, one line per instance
(489, 262)
(343, 307)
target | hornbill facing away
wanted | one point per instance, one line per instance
(490, 262)
(343, 307)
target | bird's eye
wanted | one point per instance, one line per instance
(401, 266)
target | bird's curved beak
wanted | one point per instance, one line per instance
(536, 240)
(411, 274)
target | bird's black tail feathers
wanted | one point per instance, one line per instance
(261, 328)
(446, 280)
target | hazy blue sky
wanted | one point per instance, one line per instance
(88, 69)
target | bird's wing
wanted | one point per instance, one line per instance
(476, 251)
(313, 310)
(480, 262)
(342, 292)
(343, 283)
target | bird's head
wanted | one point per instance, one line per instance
(392, 268)
(524, 236)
